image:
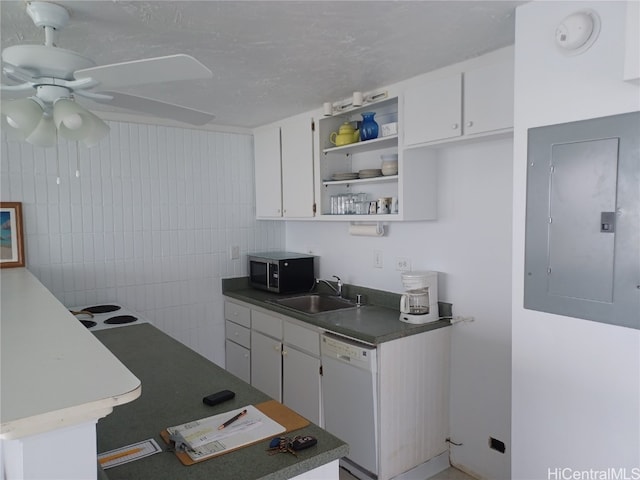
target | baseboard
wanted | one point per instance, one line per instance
(427, 469)
(469, 472)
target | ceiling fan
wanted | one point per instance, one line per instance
(55, 77)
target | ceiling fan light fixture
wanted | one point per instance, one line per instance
(77, 123)
(99, 130)
(72, 122)
(23, 115)
(44, 134)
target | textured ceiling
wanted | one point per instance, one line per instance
(273, 59)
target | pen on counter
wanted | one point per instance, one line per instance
(115, 456)
(233, 419)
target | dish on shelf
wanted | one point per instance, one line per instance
(370, 173)
(344, 176)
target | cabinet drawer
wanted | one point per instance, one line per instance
(237, 313)
(267, 324)
(302, 338)
(238, 334)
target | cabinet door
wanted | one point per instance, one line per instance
(297, 167)
(433, 111)
(268, 175)
(488, 98)
(237, 361)
(301, 383)
(266, 365)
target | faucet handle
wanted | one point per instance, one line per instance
(338, 278)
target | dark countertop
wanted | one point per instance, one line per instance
(374, 323)
(174, 380)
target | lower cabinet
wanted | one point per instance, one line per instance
(238, 361)
(266, 364)
(301, 371)
(281, 358)
(412, 413)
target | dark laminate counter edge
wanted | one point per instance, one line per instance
(174, 380)
(373, 323)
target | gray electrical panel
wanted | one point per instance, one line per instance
(582, 251)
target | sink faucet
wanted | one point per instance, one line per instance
(338, 291)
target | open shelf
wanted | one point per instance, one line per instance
(382, 179)
(366, 146)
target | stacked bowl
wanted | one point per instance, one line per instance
(389, 164)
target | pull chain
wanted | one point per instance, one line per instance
(77, 160)
(57, 161)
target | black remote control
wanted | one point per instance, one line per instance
(218, 397)
(300, 443)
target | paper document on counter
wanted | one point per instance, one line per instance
(202, 438)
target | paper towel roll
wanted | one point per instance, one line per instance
(375, 230)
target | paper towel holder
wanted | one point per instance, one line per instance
(366, 229)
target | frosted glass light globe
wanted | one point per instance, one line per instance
(12, 122)
(73, 122)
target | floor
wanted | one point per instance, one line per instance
(449, 474)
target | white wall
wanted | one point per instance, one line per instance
(149, 223)
(576, 383)
(470, 244)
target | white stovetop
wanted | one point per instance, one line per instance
(54, 372)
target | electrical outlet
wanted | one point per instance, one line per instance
(377, 258)
(234, 253)
(403, 264)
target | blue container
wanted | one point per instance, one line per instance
(368, 127)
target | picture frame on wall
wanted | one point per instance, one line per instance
(11, 237)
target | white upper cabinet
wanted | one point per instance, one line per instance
(297, 167)
(266, 142)
(488, 99)
(433, 110)
(284, 169)
(476, 102)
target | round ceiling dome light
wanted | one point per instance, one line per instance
(577, 32)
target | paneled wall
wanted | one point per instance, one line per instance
(148, 223)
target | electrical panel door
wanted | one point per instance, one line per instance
(582, 252)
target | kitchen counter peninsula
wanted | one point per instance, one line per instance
(174, 381)
(374, 323)
(57, 380)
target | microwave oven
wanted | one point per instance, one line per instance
(282, 272)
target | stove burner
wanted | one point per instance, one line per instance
(102, 308)
(88, 323)
(119, 319)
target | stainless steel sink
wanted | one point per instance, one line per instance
(313, 303)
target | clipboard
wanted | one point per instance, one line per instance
(273, 409)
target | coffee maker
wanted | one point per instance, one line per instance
(420, 303)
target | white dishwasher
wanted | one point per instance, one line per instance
(350, 398)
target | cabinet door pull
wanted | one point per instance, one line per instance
(469, 124)
(454, 126)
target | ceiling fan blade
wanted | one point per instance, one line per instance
(157, 108)
(17, 89)
(149, 70)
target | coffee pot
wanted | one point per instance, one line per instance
(420, 303)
